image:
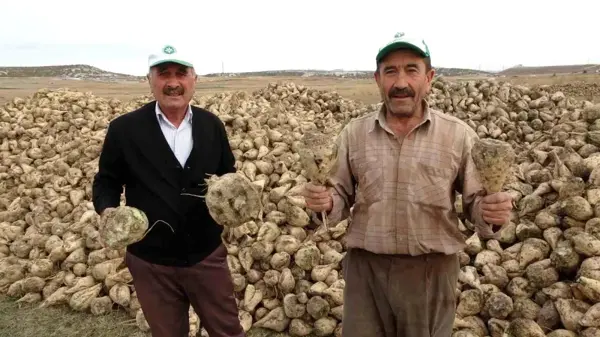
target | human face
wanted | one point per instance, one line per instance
(403, 81)
(172, 85)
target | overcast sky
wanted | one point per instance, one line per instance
(253, 35)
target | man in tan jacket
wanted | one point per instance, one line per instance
(398, 170)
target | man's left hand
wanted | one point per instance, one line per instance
(496, 208)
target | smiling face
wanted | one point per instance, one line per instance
(404, 79)
(172, 85)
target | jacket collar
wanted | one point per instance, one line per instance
(163, 118)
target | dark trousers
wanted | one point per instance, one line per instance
(399, 296)
(165, 294)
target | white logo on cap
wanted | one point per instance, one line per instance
(168, 50)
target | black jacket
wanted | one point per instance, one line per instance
(136, 155)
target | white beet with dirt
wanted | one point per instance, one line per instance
(122, 226)
(232, 200)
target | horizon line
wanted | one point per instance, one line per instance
(519, 66)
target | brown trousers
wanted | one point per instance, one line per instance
(165, 294)
(399, 296)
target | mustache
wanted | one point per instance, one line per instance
(405, 92)
(173, 90)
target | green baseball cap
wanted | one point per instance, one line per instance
(168, 53)
(402, 41)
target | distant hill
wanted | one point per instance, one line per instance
(344, 73)
(86, 72)
(549, 70)
(75, 71)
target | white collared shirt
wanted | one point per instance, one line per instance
(179, 139)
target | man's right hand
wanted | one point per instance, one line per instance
(318, 198)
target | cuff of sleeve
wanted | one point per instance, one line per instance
(334, 215)
(100, 208)
(102, 205)
(483, 229)
(486, 232)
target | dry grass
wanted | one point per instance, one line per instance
(29, 321)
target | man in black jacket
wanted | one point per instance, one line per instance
(161, 153)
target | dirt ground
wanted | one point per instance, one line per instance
(365, 90)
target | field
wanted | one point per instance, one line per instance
(559, 70)
(362, 89)
(28, 321)
(365, 90)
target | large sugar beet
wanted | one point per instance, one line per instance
(233, 200)
(123, 226)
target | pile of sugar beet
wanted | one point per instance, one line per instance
(540, 278)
